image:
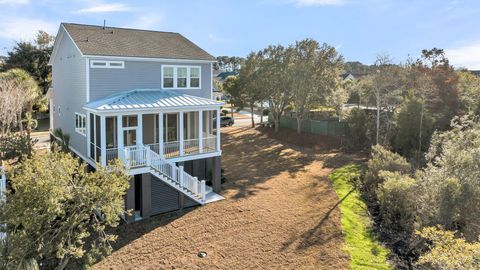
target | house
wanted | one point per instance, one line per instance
(144, 97)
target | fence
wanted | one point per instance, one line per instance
(322, 127)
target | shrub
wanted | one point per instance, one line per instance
(396, 200)
(358, 124)
(225, 112)
(382, 160)
(449, 187)
(266, 112)
(447, 251)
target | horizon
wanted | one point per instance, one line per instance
(359, 30)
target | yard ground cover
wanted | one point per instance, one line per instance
(280, 212)
(364, 250)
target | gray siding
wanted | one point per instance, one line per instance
(69, 91)
(141, 75)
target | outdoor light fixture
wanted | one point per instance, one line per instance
(202, 254)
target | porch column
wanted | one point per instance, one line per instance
(120, 138)
(88, 133)
(200, 131)
(181, 133)
(139, 129)
(103, 142)
(160, 134)
(218, 129)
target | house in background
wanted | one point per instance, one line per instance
(144, 97)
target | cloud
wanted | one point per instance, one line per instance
(319, 2)
(150, 21)
(15, 28)
(14, 2)
(467, 55)
(105, 8)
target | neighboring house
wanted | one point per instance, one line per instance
(475, 72)
(144, 97)
(348, 77)
(224, 75)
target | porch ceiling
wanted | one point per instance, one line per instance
(148, 99)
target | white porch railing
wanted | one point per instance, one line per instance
(171, 149)
(111, 153)
(190, 147)
(143, 156)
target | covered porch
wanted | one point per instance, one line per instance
(176, 127)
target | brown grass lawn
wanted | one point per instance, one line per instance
(279, 213)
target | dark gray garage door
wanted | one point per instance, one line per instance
(164, 198)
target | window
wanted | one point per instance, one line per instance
(195, 77)
(181, 77)
(129, 121)
(107, 64)
(80, 124)
(168, 77)
(186, 77)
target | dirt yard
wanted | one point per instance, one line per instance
(278, 213)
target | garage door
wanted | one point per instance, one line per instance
(164, 198)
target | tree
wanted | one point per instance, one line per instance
(469, 86)
(57, 212)
(275, 80)
(446, 251)
(449, 186)
(414, 128)
(359, 128)
(314, 75)
(384, 88)
(33, 58)
(231, 87)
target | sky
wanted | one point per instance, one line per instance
(359, 29)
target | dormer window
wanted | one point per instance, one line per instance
(107, 64)
(181, 77)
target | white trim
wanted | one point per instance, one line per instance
(55, 45)
(149, 110)
(175, 76)
(103, 141)
(87, 75)
(108, 64)
(211, 81)
(79, 129)
(195, 157)
(149, 59)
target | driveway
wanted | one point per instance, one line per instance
(279, 213)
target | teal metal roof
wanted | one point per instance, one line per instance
(145, 99)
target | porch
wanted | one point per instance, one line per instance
(175, 127)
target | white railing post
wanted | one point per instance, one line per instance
(120, 136)
(180, 178)
(181, 135)
(127, 157)
(218, 130)
(202, 190)
(200, 131)
(160, 134)
(195, 185)
(103, 143)
(149, 156)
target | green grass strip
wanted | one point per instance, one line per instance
(361, 244)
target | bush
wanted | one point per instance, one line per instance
(449, 187)
(225, 112)
(382, 160)
(266, 112)
(447, 251)
(358, 124)
(396, 200)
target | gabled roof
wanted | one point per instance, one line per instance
(124, 42)
(148, 99)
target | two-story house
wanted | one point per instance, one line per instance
(144, 97)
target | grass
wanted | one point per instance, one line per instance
(365, 251)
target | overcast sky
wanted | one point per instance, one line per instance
(359, 29)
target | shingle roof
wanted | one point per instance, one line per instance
(113, 41)
(145, 99)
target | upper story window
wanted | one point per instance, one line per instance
(80, 123)
(181, 77)
(107, 64)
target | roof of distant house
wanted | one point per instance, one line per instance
(225, 74)
(125, 42)
(475, 72)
